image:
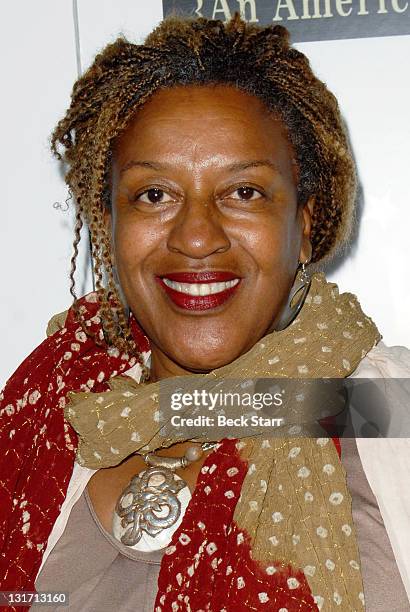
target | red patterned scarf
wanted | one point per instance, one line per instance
(38, 446)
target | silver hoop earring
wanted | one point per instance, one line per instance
(299, 288)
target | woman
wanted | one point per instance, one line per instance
(211, 168)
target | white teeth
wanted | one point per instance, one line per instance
(200, 288)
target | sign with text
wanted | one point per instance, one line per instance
(307, 20)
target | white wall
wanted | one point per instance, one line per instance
(38, 68)
(369, 76)
(372, 83)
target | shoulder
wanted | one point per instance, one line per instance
(384, 361)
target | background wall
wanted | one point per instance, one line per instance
(43, 51)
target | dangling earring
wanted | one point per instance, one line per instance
(301, 286)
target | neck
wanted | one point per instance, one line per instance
(162, 366)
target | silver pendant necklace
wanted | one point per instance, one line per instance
(152, 506)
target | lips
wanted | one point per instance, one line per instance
(199, 290)
(205, 276)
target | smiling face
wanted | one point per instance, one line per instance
(207, 233)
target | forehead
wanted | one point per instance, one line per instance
(205, 121)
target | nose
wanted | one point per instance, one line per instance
(198, 230)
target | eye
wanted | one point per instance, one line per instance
(245, 193)
(153, 196)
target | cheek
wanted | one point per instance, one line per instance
(133, 244)
(273, 244)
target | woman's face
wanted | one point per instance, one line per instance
(207, 233)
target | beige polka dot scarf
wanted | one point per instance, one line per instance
(294, 502)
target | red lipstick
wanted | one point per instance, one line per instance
(198, 302)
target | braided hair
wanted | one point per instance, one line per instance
(257, 60)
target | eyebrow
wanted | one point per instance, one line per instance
(141, 164)
(235, 167)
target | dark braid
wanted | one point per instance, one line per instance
(259, 61)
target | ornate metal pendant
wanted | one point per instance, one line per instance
(150, 509)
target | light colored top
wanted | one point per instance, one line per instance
(100, 573)
(97, 570)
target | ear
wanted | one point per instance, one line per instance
(305, 254)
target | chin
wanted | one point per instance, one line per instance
(205, 361)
